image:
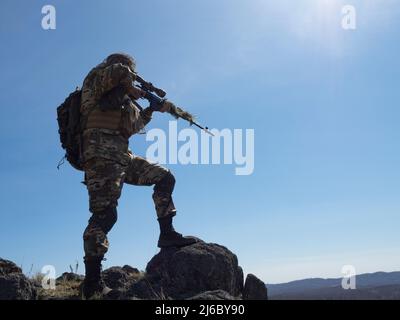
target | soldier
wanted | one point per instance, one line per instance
(109, 117)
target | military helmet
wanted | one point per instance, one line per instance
(121, 58)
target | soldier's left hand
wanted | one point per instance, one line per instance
(166, 106)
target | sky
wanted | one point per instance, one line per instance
(323, 103)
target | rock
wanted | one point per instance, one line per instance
(146, 289)
(130, 270)
(254, 289)
(120, 278)
(7, 267)
(213, 295)
(181, 273)
(70, 276)
(13, 283)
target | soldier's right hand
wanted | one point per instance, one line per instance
(135, 92)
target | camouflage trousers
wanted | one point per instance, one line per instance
(104, 180)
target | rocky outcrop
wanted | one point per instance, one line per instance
(254, 288)
(202, 271)
(13, 283)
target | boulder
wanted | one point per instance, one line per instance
(70, 276)
(181, 273)
(120, 278)
(130, 270)
(14, 285)
(7, 267)
(254, 289)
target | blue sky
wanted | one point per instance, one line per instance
(323, 103)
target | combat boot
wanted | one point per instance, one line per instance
(93, 286)
(169, 237)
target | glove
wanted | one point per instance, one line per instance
(166, 107)
(156, 103)
(135, 92)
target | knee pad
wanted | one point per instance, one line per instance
(166, 184)
(105, 219)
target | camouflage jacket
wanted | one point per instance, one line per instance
(106, 129)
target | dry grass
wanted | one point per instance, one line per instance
(70, 289)
(65, 290)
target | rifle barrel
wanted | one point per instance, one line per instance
(203, 128)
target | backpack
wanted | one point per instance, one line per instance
(69, 118)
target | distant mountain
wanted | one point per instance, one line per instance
(378, 285)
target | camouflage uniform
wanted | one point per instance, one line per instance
(108, 162)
